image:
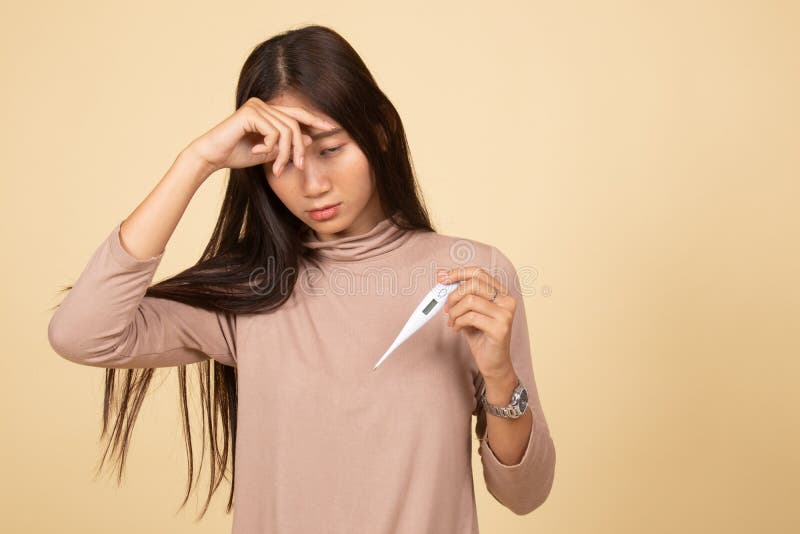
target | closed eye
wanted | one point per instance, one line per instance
(327, 150)
(333, 148)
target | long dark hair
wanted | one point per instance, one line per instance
(254, 226)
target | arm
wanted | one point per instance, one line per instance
(523, 486)
(106, 321)
(145, 232)
(510, 437)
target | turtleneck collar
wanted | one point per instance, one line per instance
(384, 237)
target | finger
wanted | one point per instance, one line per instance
(260, 123)
(297, 140)
(480, 287)
(267, 148)
(476, 303)
(457, 274)
(464, 275)
(279, 132)
(284, 142)
(306, 117)
(268, 156)
(484, 323)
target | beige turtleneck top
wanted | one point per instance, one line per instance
(324, 443)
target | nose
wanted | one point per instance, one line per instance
(315, 182)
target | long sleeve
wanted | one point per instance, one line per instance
(106, 320)
(522, 487)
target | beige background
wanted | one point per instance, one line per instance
(641, 156)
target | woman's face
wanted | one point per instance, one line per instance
(335, 171)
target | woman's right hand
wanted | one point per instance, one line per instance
(256, 133)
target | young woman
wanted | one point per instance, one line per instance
(321, 251)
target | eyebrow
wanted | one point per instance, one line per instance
(326, 133)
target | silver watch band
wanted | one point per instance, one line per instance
(511, 411)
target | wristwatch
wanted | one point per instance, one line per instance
(514, 410)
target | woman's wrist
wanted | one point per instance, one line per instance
(500, 388)
(199, 169)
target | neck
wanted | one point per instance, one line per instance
(382, 237)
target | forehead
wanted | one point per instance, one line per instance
(295, 99)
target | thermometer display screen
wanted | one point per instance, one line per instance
(430, 306)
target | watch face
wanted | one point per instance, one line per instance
(523, 400)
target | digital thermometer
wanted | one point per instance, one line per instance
(426, 309)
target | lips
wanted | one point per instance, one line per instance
(325, 207)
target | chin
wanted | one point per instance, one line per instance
(329, 226)
(334, 225)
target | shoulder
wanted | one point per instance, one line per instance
(450, 251)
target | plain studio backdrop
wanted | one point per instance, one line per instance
(638, 160)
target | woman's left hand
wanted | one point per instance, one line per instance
(485, 322)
